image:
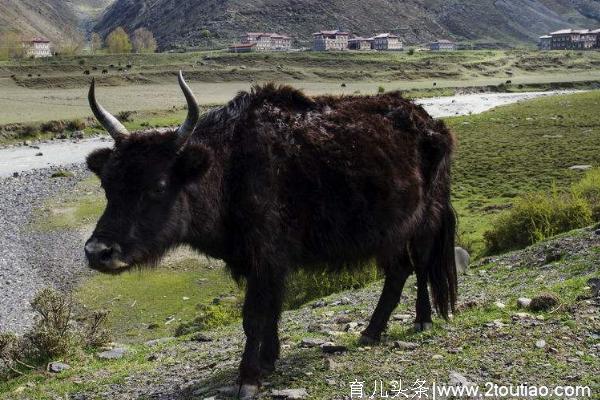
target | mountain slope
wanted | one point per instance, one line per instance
(53, 19)
(497, 21)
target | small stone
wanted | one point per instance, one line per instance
(331, 365)
(351, 326)
(500, 305)
(344, 319)
(311, 342)
(331, 382)
(402, 317)
(457, 379)
(15, 175)
(584, 167)
(540, 344)
(462, 259)
(153, 326)
(152, 357)
(331, 348)
(522, 315)
(437, 357)
(290, 394)
(113, 354)
(39, 154)
(58, 367)
(597, 232)
(523, 302)
(201, 338)
(184, 298)
(156, 342)
(399, 344)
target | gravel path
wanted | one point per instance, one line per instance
(30, 259)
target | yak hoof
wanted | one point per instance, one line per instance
(423, 326)
(247, 392)
(368, 340)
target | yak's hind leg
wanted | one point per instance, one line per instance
(420, 252)
(397, 268)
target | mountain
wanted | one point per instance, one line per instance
(180, 23)
(54, 19)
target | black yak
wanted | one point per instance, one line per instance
(275, 181)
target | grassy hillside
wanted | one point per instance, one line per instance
(489, 340)
(180, 24)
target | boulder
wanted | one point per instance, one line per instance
(462, 259)
(57, 367)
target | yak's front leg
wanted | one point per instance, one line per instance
(261, 312)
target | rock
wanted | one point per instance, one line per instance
(113, 354)
(184, 298)
(16, 175)
(540, 344)
(78, 135)
(594, 284)
(523, 302)
(344, 319)
(597, 232)
(152, 357)
(543, 302)
(437, 357)
(290, 394)
(522, 315)
(457, 379)
(462, 259)
(402, 317)
(39, 154)
(584, 167)
(311, 342)
(351, 326)
(57, 367)
(201, 338)
(156, 342)
(399, 344)
(153, 326)
(500, 305)
(330, 348)
(318, 304)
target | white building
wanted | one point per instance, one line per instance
(330, 40)
(37, 47)
(387, 41)
(442, 45)
(268, 41)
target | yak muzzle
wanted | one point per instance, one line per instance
(103, 256)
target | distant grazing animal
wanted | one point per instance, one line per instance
(509, 82)
(275, 181)
(86, 72)
(105, 71)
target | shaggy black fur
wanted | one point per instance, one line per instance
(276, 180)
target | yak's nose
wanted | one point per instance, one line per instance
(103, 256)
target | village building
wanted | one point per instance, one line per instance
(387, 42)
(442, 45)
(242, 48)
(575, 39)
(330, 40)
(545, 42)
(37, 47)
(267, 41)
(360, 43)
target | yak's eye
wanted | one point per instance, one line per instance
(159, 189)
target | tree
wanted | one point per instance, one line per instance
(72, 43)
(95, 43)
(118, 41)
(11, 45)
(143, 41)
(206, 35)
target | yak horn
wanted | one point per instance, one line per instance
(108, 121)
(186, 129)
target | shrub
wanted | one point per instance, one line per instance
(536, 217)
(62, 173)
(125, 116)
(28, 130)
(304, 286)
(411, 52)
(543, 302)
(9, 350)
(380, 89)
(76, 125)
(589, 189)
(53, 334)
(96, 332)
(53, 126)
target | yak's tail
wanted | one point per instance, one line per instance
(441, 268)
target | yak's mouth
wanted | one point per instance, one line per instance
(113, 259)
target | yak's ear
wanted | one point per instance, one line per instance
(193, 162)
(96, 160)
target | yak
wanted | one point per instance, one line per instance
(276, 180)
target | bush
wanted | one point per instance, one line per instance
(380, 89)
(411, 52)
(96, 332)
(76, 125)
(589, 189)
(125, 116)
(304, 286)
(53, 126)
(28, 130)
(536, 217)
(53, 334)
